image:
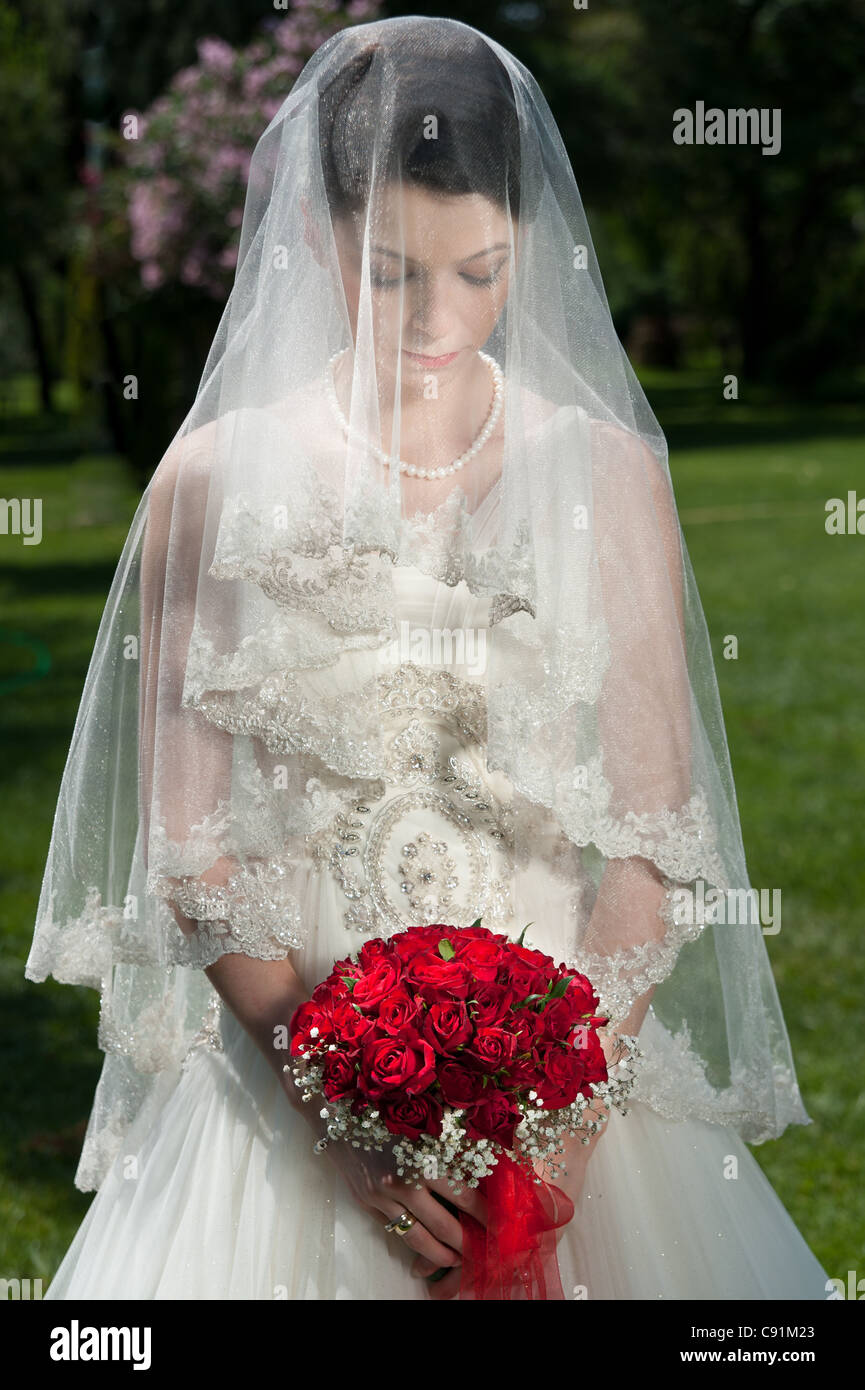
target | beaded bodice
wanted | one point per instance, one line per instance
(436, 842)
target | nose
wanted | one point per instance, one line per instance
(429, 315)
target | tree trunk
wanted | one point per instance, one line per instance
(112, 377)
(757, 291)
(30, 305)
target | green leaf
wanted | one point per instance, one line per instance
(476, 922)
(554, 991)
(529, 999)
(348, 980)
(446, 950)
(522, 934)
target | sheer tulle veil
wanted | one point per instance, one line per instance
(415, 163)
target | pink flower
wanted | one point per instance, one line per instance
(216, 54)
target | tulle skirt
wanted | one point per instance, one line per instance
(222, 1197)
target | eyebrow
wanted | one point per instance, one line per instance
(498, 246)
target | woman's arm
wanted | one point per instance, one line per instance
(638, 882)
(263, 995)
(644, 716)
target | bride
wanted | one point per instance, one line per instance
(405, 631)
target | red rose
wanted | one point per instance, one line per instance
(447, 1025)
(563, 1074)
(326, 996)
(399, 1012)
(528, 1028)
(306, 1018)
(437, 977)
(340, 1077)
(350, 1026)
(412, 1115)
(581, 995)
(482, 956)
(559, 1017)
(535, 959)
(377, 983)
(593, 1061)
(481, 933)
(522, 1073)
(336, 979)
(494, 1117)
(492, 1003)
(492, 1048)
(371, 952)
(575, 1006)
(407, 944)
(395, 1064)
(524, 980)
(459, 1086)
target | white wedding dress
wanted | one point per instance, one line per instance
(217, 1193)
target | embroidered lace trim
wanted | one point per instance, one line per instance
(309, 565)
(337, 730)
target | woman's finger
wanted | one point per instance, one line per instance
(446, 1287)
(418, 1238)
(422, 1269)
(469, 1200)
(439, 1216)
(441, 1222)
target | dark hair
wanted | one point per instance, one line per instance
(391, 90)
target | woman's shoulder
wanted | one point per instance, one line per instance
(197, 450)
(617, 450)
(191, 450)
(626, 452)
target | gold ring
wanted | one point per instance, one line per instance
(401, 1223)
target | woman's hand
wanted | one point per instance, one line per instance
(372, 1180)
(445, 1283)
(436, 1235)
(575, 1156)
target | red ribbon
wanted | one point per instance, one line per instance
(514, 1255)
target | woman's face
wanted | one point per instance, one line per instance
(439, 270)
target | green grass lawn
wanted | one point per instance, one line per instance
(751, 483)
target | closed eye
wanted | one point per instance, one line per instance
(385, 283)
(486, 280)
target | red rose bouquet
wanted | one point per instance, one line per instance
(474, 1056)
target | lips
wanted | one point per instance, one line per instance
(426, 361)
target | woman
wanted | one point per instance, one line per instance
(405, 631)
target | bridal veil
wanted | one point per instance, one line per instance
(209, 743)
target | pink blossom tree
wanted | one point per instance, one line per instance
(184, 174)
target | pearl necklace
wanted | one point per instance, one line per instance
(409, 468)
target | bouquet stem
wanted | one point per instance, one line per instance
(514, 1255)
